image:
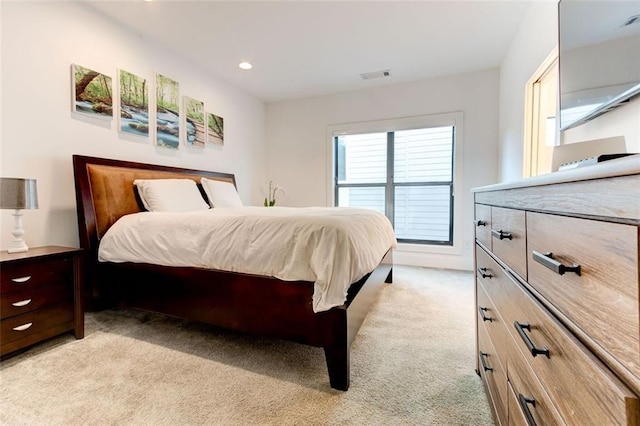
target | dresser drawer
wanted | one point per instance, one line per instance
(495, 282)
(30, 299)
(20, 276)
(508, 238)
(493, 373)
(584, 391)
(607, 254)
(527, 399)
(22, 326)
(494, 325)
(515, 414)
(482, 224)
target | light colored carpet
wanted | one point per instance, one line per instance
(411, 364)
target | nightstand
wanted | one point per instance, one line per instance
(40, 296)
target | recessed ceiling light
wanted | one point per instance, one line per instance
(245, 65)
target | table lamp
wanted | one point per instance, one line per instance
(18, 194)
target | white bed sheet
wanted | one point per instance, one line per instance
(330, 246)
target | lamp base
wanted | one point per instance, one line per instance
(18, 249)
(18, 244)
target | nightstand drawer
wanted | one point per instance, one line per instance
(558, 246)
(27, 300)
(41, 296)
(20, 276)
(21, 326)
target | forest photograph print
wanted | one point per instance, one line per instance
(215, 129)
(134, 104)
(168, 112)
(92, 92)
(194, 111)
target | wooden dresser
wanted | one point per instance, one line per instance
(40, 296)
(557, 296)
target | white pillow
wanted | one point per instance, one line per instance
(221, 194)
(170, 195)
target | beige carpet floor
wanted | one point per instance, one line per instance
(411, 364)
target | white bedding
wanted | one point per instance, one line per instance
(330, 246)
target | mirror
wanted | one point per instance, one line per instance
(599, 56)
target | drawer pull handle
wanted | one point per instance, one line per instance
(547, 260)
(21, 279)
(484, 317)
(527, 341)
(21, 303)
(481, 223)
(524, 405)
(501, 234)
(23, 327)
(485, 367)
(484, 274)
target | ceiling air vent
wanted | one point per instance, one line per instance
(376, 74)
(635, 19)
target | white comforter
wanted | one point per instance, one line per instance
(331, 247)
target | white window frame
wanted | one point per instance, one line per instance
(407, 123)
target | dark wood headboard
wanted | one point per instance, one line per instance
(105, 192)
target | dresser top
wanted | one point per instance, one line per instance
(619, 167)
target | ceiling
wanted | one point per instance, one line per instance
(307, 48)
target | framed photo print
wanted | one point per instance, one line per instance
(195, 129)
(92, 93)
(168, 112)
(134, 104)
(215, 129)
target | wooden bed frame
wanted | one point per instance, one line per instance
(104, 193)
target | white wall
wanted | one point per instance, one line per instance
(39, 132)
(299, 144)
(536, 38)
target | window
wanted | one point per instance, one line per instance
(407, 174)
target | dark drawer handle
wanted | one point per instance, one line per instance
(501, 234)
(547, 260)
(527, 341)
(524, 405)
(21, 303)
(484, 274)
(481, 223)
(484, 317)
(21, 279)
(23, 327)
(485, 367)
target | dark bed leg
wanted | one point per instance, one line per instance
(389, 278)
(338, 366)
(336, 348)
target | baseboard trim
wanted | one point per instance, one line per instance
(432, 260)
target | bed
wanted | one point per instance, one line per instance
(233, 300)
